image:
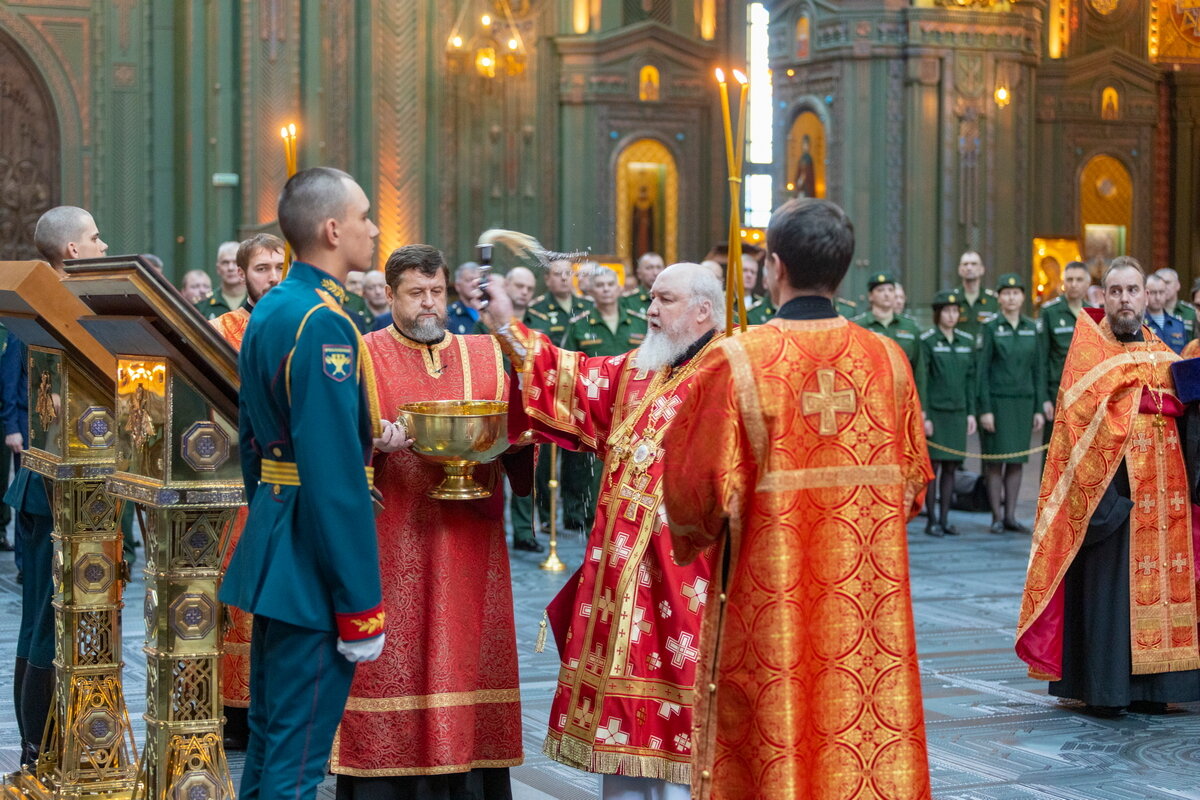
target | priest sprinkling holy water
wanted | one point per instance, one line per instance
(627, 624)
(1109, 611)
(796, 461)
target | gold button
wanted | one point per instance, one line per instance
(723, 597)
(277, 489)
(705, 774)
(276, 451)
(712, 687)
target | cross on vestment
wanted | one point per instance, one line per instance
(1146, 504)
(681, 649)
(594, 382)
(583, 714)
(696, 593)
(664, 408)
(1142, 442)
(1176, 502)
(640, 624)
(637, 497)
(620, 548)
(827, 402)
(1179, 562)
(606, 605)
(1147, 565)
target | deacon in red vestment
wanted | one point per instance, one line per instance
(627, 623)
(438, 715)
(1109, 610)
(260, 260)
(800, 455)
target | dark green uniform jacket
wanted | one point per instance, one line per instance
(308, 556)
(1058, 327)
(1012, 383)
(214, 305)
(639, 301)
(547, 316)
(975, 315)
(903, 331)
(589, 334)
(947, 389)
(1186, 312)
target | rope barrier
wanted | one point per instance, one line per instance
(991, 457)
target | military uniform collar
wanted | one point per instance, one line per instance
(307, 273)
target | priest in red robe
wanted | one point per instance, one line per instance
(260, 260)
(438, 715)
(798, 460)
(627, 623)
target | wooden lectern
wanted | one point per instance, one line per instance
(177, 457)
(88, 747)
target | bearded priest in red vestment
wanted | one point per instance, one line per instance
(627, 623)
(438, 715)
(800, 455)
(260, 260)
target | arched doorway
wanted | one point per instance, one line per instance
(647, 201)
(1105, 209)
(29, 151)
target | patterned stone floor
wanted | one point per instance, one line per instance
(994, 734)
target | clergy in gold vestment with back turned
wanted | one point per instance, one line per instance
(798, 458)
(439, 714)
(1109, 610)
(627, 624)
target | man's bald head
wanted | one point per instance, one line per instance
(520, 283)
(66, 232)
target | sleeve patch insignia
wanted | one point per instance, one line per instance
(337, 361)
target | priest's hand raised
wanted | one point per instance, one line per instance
(499, 309)
(394, 437)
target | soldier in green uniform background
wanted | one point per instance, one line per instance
(549, 313)
(881, 292)
(846, 308)
(946, 385)
(1180, 309)
(307, 565)
(1058, 325)
(231, 285)
(609, 329)
(647, 268)
(1012, 398)
(977, 303)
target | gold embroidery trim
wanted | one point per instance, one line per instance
(748, 400)
(442, 769)
(830, 477)
(654, 690)
(465, 358)
(431, 354)
(499, 354)
(427, 701)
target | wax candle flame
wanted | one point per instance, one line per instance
(720, 75)
(291, 129)
(742, 79)
(283, 133)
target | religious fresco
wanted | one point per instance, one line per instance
(1105, 208)
(1050, 256)
(802, 37)
(1175, 32)
(806, 156)
(28, 152)
(647, 201)
(649, 87)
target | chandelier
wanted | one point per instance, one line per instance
(488, 42)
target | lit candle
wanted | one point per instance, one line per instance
(729, 165)
(735, 223)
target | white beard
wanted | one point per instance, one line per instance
(659, 349)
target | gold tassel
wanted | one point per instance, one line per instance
(540, 645)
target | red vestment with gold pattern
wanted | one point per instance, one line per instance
(235, 658)
(443, 697)
(628, 621)
(800, 454)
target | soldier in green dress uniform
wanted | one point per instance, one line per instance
(647, 269)
(881, 292)
(946, 385)
(1180, 309)
(307, 565)
(1058, 324)
(231, 287)
(1012, 398)
(845, 308)
(609, 329)
(978, 304)
(759, 308)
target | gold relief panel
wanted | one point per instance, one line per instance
(1175, 31)
(47, 386)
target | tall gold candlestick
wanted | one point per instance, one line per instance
(729, 166)
(738, 299)
(288, 134)
(553, 563)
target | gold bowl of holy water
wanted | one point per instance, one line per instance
(457, 435)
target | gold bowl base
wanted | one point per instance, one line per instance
(459, 484)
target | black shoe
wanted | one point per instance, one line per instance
(1147, 707)
(949, 530)
(1104, 712)
(528, 545)
(1013, 525)
(934, 530)
(5, 547)
(997, 527)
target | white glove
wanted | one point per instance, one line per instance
(361, 650)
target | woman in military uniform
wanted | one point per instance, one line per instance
(1011, 398)
(946, 384)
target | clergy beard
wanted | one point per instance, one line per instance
(424, 329)
(1124, 325)
(661, 347)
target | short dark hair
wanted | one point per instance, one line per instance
(1122, 262)
(814, 239)
(259, 241)
(309, 198)
(425, 258)
(1077, 265)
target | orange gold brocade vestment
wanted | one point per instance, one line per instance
(800, 454)
(1110, 409)
(235, 659)
(627, 623)
(444, 695)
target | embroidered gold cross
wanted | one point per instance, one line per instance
(637, 497)
(1176, 502)
(827, 402)
(583, 714)
(606, 605)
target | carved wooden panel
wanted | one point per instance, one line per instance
(29, 151)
